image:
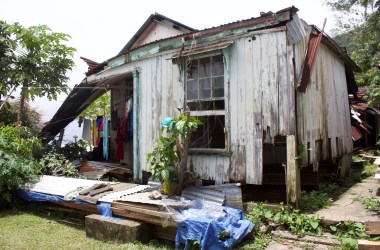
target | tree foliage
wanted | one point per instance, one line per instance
(35, 59)
(31, 118)
(18, 150)
(359, 29)
(100, 106)
(37, 55)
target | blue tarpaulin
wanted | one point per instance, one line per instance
(222, 232)
(36, 196)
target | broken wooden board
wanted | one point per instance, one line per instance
(372, 228)
(368, 245)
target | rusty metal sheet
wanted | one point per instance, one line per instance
(356, 134)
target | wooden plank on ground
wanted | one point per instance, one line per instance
(143, 217)
(372, 227)
(368, 245)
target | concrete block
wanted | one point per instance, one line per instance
(122, 231)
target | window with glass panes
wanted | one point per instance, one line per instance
(205, 92)
(205, 79)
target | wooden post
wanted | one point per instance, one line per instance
(293, 181)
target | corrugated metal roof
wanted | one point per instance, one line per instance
(232, 25)
(211, 196)
(151, 18)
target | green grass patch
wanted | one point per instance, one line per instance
(317, 199)
(25, 230)
(369, 170)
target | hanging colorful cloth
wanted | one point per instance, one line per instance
(105, 138)
(95, 134)
(99, 125)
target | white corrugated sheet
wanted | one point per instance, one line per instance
(120, 194)
(56, 185)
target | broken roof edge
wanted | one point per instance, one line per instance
(69, 111)
(140, 31)
(332, 44)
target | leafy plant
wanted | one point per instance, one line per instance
(292, 220)
(18, 147)
(372, 203)
(168, 160)
(162, 162)
(298, 223)
(14, 172)
(55, 164)
(19, 140)
(349, 229)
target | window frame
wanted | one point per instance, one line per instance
(212, 112)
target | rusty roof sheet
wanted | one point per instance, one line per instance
(266, 18)
(356, 134)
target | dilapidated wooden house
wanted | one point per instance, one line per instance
(272, 92)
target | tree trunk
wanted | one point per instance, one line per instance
(183, 144)
(22, 103)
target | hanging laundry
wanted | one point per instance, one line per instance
(95, 134)
(129, 126)
(128, 107)
(100, 125)
(86, 133)
(105, 138)
(80, 121)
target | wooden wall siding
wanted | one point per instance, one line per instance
(211, 167)
(261, 103)
(161, 95)
(156, 32)
(323, 111)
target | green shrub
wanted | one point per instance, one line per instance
(19, 140)
(349, 229)
(18, 149)
(292, 220)
(14, 172)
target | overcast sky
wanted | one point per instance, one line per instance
(100, 29)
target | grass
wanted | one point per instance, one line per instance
(29, 230)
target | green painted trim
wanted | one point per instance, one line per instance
(137, 173)
(176, 43)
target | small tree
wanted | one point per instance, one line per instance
(34, 58)
(31, 118)
(168, 159)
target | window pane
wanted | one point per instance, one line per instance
(192, 69)
(205, 88)
(192, 89)
(218, 87)
(204, 67)
(210, 134)
(217, 66)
